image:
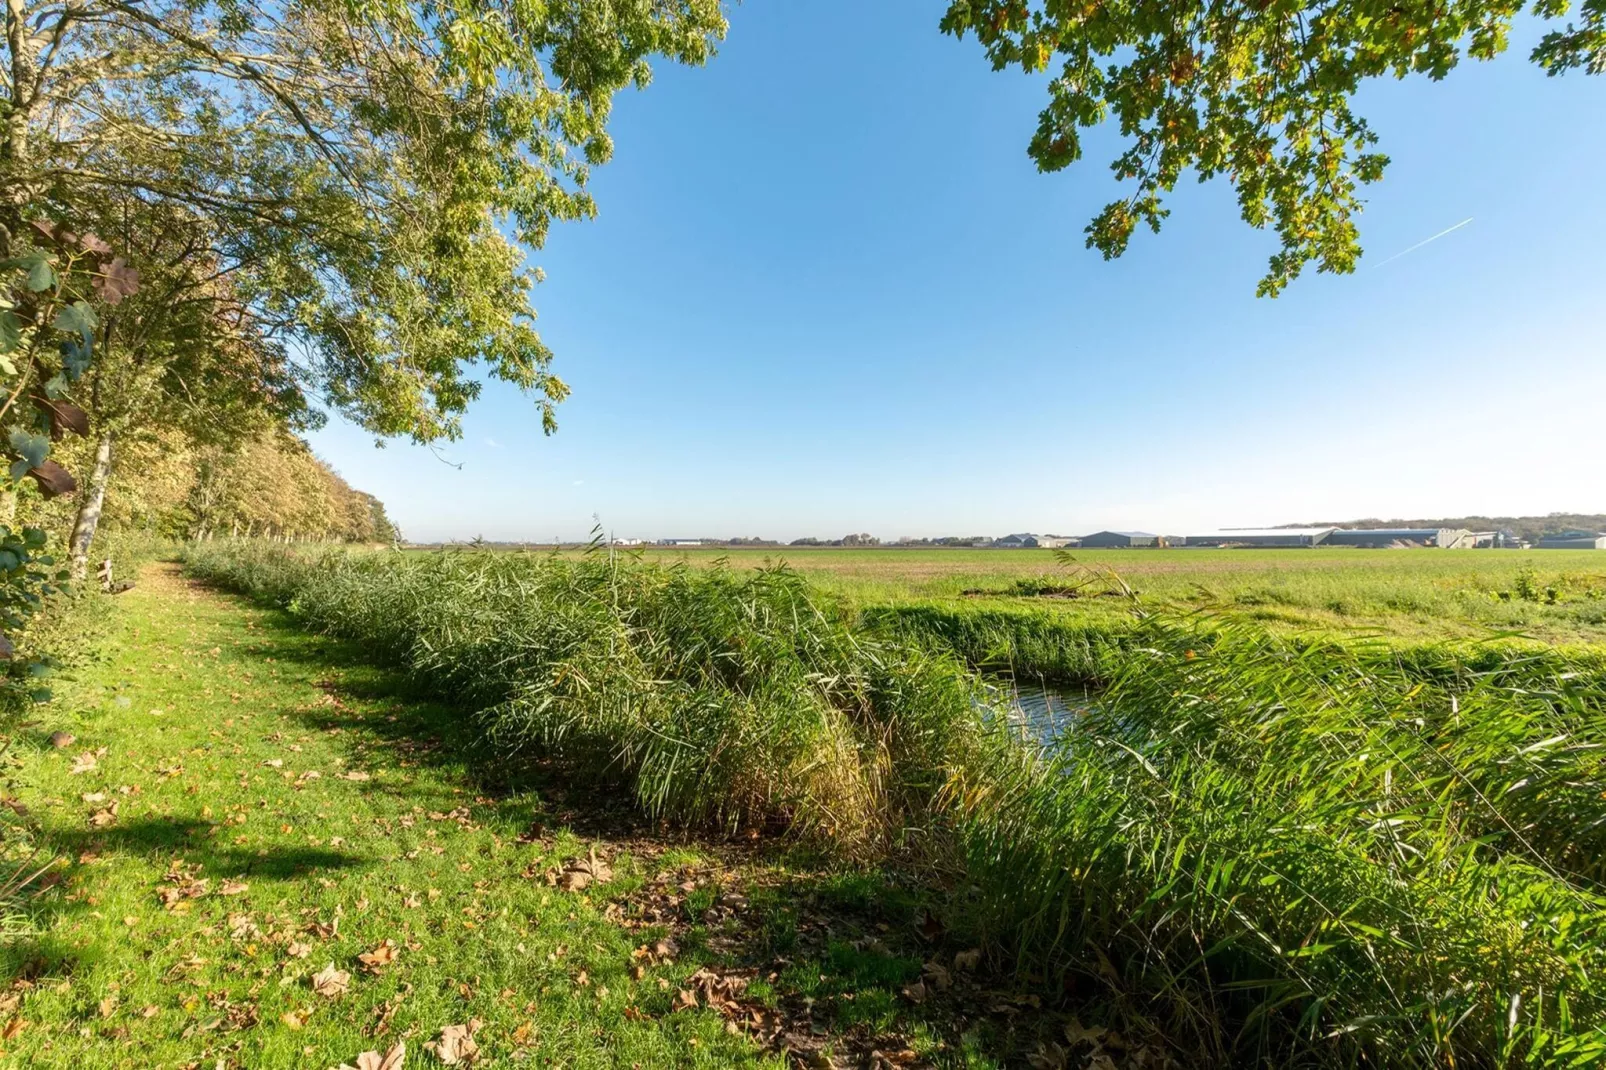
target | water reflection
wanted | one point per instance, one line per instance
(1041, 713)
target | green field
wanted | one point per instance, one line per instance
(1550, 595)
(1271, 846)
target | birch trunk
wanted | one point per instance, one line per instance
(83, 532)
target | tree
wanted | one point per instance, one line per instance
(47, 339)
(1256, 90)
(363, 170)
(183, 352)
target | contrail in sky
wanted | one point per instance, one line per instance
(1425, 241)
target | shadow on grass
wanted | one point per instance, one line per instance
(836, 960)
(197, 841)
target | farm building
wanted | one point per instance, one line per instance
(1121, 538)
(1025, 541)
(1573, 540)
(1444, 538)
(680, 542)
(1268, 537)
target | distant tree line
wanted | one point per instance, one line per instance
(860, 539)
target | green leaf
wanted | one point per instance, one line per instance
(75, 358)
(77, 317)
(30, 446)
(41, 276)
(10, 334)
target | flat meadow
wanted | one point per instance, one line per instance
(1554, 596)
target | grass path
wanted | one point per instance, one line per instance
(274, 857)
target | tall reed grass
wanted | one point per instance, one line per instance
(1289, 852)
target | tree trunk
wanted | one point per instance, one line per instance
(83, 532)
(14, 138)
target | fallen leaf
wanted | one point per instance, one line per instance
(274, 763)
(580, 874)
(106, 815)
(296, 1019)
(372, 1060)
(108, 1006)
(83, 763)
(456, 1045)
(967, 961)
(354, 775)
(1048, 1057)
(379, 957)
(331, 982)
(233, 888)
(298, 950)
(1076, 1033)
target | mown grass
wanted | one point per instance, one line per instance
(1301, 851)
(325, 804)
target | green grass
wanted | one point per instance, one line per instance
(326, 805)
(1296, 849)
(1551, 595)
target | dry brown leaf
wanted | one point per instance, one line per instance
(12, 1028)
(580, 874)
(372, 1060)
(106, 815)
(298, 950)
(296, 1019)
(354, 775)
(456, 1046)
(108, 1006)
(1048, 1057)
(233, 888)
(1076, 1033)
(83, 763)
(331, 982)
(379, 957)
(967, 961)
(915, 993)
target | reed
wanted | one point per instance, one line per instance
(1281, 849)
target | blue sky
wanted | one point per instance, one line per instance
(828, 292)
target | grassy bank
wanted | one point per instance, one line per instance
(247, 805)
(1302, 851)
